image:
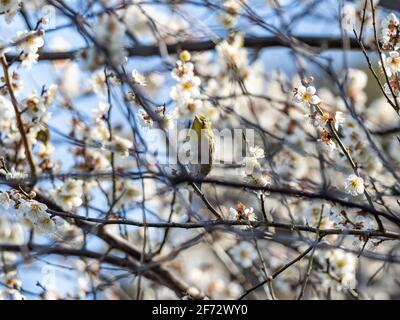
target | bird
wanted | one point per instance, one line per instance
(199, 169)
(202, 127)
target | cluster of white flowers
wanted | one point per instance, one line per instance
(119, 145)
(213, 285)
(12, 290)
(9, 8)
(242, 213)
(167, 119)
(391, 60)
(130, 193)
(352, 137)
(6, 113)
(253, 171)
(356, 144)
(36, 113)
(359, 13)
(336, 217)
(222, 75)
(343, 265)
(69, 195)
(97, 133)
(36, 214)
(390, 32)
(186, 93)
(28, 43)
(86, 272)
(230, 12)
(136, 22)
(98, 82)
(307, 97)
(35, 109)
(232, 56)
(13, 174)
(29, 211)
(244, 253)
(355, 88)
(110, 33)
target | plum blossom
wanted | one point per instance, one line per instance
(34, 211)
(13, 174)
(354, 185)
(344, 265)
(29, 43)
(306, 96)
(167, 118)
(244, 253)
(10, 8)
(119, 145)
(393, 86)
(69, 195)
(392, 63)
(390, 32)
(144, 118)
(182, 69)
(242, 213)
(253, 171)
(323, 119)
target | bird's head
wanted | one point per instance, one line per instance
(201, 122)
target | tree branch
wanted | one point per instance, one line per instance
(257, 43)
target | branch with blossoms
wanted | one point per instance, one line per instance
(107, 107)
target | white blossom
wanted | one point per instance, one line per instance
(34, 211)
(242, 213)
(9, 8)
(354, 185)
(29, 43)
(244, 253)
(138, 78)
(69, 196)
(306, 96)
(392, 64)
(119, 145)
(13, 174)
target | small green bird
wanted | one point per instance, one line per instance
(205, 143)
(205, 153)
